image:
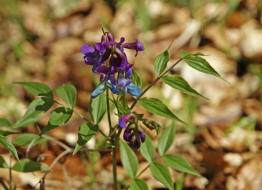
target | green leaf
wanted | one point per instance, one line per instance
(27, 138)
(166, 140)
(155, 106)
(160, 62)
(6, 133)
(4, 122)
(26, 165)
(36, 107)
(3, 163)
(85, 133)
(147, 149)
(128, 159)
(179, 163)
(162, 174)
(179, 83)
(121, 109)
(67, 93)
(136, 79)
(97, 108)
(7, 144)
(37, 88)
(58, 116)
(197, 62)
(138, 184)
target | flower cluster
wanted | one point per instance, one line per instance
(132, 134)
(109, 60)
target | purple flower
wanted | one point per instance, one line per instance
(128, 133)
(134, 136)
(117, 64)
(124, 119)
(141, 135)
(135, 46)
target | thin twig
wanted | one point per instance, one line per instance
(30, 146)
(152, 84)
(10, 172)
(142, 171)
(42, 180)
(63, 145)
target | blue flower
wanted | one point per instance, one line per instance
(99, 90)
(133, 90)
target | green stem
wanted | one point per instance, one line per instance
(142, 171)
(113, 140)
(115, 168)
(10, 173)
(108, 110)
(154, 82)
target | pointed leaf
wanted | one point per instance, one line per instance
(166, 140)
(85, 133)
(179, 83)
(67, 93)
(27, 138)
(138, 184)
(128, 159)
(121, 109)
(162, 174)
(197, 62)
(147, 149)
(97, 108)
(6, 133)
(58, 117)
(7, 144)
(155, 106)
(36, 107)
(160, 62)
(26, 165)
(136, 79)
(37, 88)
(3, 163)
(4, 122)
(179, 163)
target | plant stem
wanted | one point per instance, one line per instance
(115, 168)
(10, 173)
(113, 141)
(152, 84)
(142, 171)
(108, 110)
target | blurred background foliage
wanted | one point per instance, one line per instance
(40, 40)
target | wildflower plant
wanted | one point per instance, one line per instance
(117, 78)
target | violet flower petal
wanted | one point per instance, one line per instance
(87, 49)
(122, 121)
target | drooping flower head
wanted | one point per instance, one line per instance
(134, 136)
(110, 62)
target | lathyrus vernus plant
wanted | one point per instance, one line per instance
(117, 78)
